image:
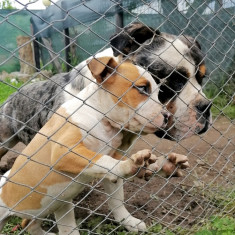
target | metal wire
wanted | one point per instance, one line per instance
(164, 204)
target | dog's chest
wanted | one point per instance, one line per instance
(103, 138)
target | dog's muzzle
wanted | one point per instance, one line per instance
(204, 116)
(195, 121)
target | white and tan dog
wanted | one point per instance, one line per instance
(80, 142)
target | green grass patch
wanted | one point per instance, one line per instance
(13, 226)
(221, 223)
(222, 96)
(223, 104)
(215, 225)
(218, 225)
(7, 88)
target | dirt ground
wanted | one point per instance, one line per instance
(180, 201)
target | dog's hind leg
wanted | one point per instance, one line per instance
(8, 139)
(4, 210)
(6, 144)
(2, 222)
(4, 216)
(34, 228)
(65, 220)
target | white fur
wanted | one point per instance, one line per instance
(3, 180)
(99, 119)
(84, 75)
(94, 117)
(89, 115)
(174, 54)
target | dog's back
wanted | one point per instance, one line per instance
(27, 110)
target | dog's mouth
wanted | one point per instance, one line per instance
(178, 130)
(148, 126)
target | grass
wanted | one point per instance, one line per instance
(222, 96)
(218, 225)
(13, 226)
(221, 223)
(222, 104)
(7, 89)
(215, 225)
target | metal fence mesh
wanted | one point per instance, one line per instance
(56, 44)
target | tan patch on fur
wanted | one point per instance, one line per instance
(202, 69)
(171, 107)
(33, 176)
(122, 86)
(119, 156)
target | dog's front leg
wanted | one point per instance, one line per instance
(65, 220)
(115, 192)
(116, 205)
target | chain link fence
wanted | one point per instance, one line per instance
(188, 48)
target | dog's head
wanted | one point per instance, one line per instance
(177, 65)
(131, 95)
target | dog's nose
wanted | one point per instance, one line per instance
(166, 116)
(204, 108)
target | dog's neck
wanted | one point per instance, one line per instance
(91, 98)
(88, 110)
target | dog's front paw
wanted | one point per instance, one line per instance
(141, 157)
(133, 224)
(137, 161)
(174, 161)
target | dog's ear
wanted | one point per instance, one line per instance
(190, 41)
(197, 55)
(131, 37)
(101, 67)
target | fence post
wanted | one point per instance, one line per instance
(25, 54)
(67, 49)
(119, 17)
(36, 53)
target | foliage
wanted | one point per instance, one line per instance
(220, 198)
(74, 61)
(6, 90)
(222, 96)
(12, 66)
(13, 226)
(218, 225)
(7, 5)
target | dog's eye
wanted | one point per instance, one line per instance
(144, 89)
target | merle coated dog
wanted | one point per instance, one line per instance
(176, 63)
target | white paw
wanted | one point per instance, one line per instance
(133, 224)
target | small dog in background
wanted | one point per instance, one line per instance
(80, 143)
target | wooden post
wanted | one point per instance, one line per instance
(26, 55)
(119, 17)
(67, 49)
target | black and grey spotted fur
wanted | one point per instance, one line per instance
(27, 110)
